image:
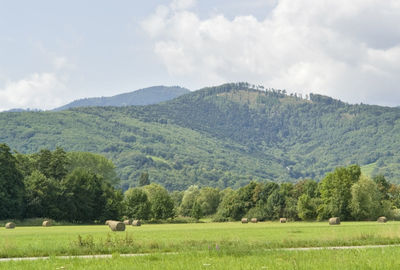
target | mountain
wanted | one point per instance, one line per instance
(146, 96)
(221, 136)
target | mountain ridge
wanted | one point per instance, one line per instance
(221, 136)
(144, 96)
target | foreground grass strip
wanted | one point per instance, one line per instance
(108, 256)
(377, 258)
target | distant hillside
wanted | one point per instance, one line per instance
(221, 136)
(146, 96)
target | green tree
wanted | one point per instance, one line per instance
(365, 201)
(113, 206)
(11, 185)
(144, 179)
(43, 160)
(42, 196)
(306, 208)
(231, 206)
(58, 164)
(162, 206)
(83, 195)
(196, 211)
(136, 204)
(307, 186)
(209, 199)
(383, 185)
(335, 191)
(275, 205)
(189, 198)
(94, 163)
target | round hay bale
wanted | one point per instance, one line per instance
(127, 222)
(382, 220)
(334, 221)
(10, 225)
(254, 220)
(136, 223)
(116, 226)
(47, 223)
(282, 220)
(108, 221)
(245, 220)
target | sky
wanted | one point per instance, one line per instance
(53, 52)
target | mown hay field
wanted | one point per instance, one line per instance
(220, 243)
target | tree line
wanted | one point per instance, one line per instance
(83, 188)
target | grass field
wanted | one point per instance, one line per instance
(206, 245)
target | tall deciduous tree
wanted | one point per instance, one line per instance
(209, 199)
(42, 196)
(335, 191)
(83, 193)
(189, 198)
(94, 163)
(11, 185)
(137, 204)
(366, 199)
(162, 206)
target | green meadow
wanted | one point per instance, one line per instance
(205, 245)
(379, 258)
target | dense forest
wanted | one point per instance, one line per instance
(79, 187)
(221, 137)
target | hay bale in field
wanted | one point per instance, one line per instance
(245, 220)
(10, 225)
(127, 222)
(116, 226)
(47, 223)
(382, 220)
(136, 223)
(334, 221)
(254, 220)
(282, 220)
(108, 221)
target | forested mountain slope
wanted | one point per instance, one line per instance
(221, 136)
(146, 96)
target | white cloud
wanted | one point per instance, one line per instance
(182, 4)
(39, 90)
(346, 49)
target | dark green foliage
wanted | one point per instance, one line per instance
(383, 185)
(306, 207)
(162, 206)
(365, 201)
(196, 211)
(137, 205)
(11, 185)
(231, 207)
(144, 179)
(60, 186)
(94, 163)
(83, 196)
(335, 191)
(58, 164)
(42, 196)
(209, 199)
